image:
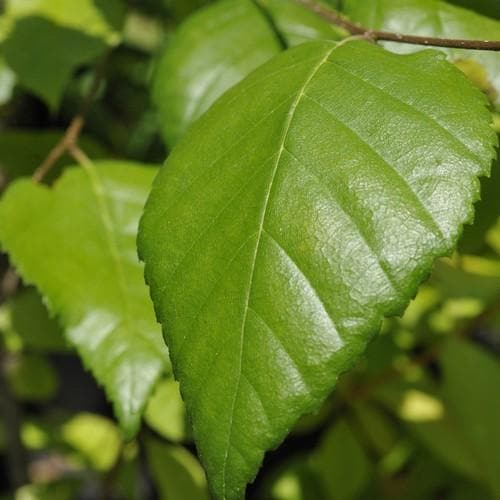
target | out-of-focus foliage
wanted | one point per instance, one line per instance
(417, 417)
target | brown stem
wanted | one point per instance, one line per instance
(375, 35)
(70, 138)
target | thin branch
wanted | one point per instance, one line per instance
(72, 134)
(68, 140)
(355, 29)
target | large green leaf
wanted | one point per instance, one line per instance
(432, 18)
(308, 203)
(76, 243)
(213, 50)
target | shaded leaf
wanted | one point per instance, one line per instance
(97, 18)
(78, 247)
(30, 320)
(212, 51)
(32, 378)
(286, 225)
(177, 474)
(165, 412)
(432, 18)
(486, 7)
(487, 213)
(341, 463)
(95, 437)
(44, 55)
(470, 389)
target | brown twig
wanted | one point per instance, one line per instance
(69, 141)
(355, 29)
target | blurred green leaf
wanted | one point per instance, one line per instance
(341, 463)
(177, 474)
(471, 393)
(487, 213)
(295, 480)
(78, 247)
(100, 19)
(432, 18)
(95, 437)
(7, 82)
(212, 51)
(30, 320)
(489, 8)
(31, 377)
(22, 151)
(166, 413)
(454, 282)
(180, 9)
(44, 56)
(60, 490)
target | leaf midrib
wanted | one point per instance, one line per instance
(284, 136)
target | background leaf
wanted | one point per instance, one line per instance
(78, 248)
(342, 464)
(213, 50)
(432, 18)
(286, 225)
(178, 474)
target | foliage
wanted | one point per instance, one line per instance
(321, 247)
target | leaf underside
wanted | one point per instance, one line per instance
(306, 205)
(76, 243)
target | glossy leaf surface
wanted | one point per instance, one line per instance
(212, 51)
(432, 18)
(305, 206)
(78, 247)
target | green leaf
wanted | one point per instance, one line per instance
(297, 25)
(166, 413)
(95, 437)
(432, 18)
(212, 51)
(470, 390)
(44, 55)
(182, 8)
(32, 378)
(341, 463)
(78, 247)
(485, 7)
(306, 205)
(487, 214)
(32, 323)
(176, 472)
(97, 18)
